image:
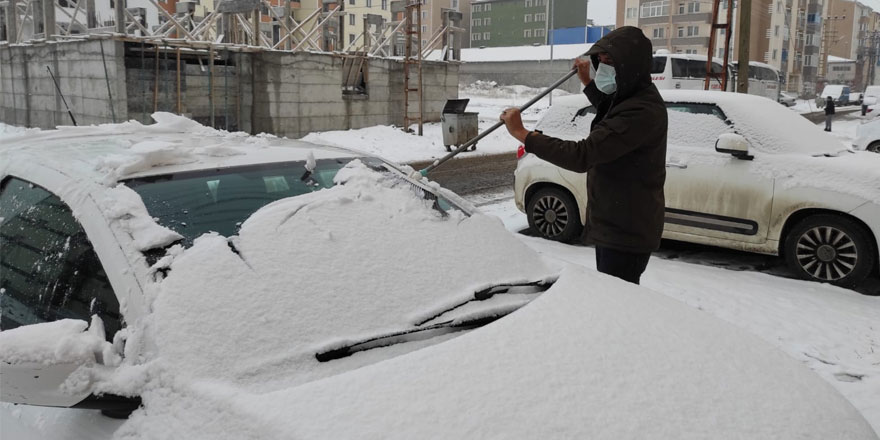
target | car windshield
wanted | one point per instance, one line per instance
(220, 200)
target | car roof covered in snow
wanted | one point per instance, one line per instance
(113, 152)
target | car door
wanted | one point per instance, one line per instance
(711, 196)
(50, 272)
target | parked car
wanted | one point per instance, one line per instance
(335, 298)
(838, 92)
(869, 99)
(868, 134)
(742, 173)
(787, 99)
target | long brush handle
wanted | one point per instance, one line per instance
(473, 141)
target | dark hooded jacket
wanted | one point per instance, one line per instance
(624, 155)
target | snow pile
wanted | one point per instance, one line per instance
(121, 204)
(143, 156)
(58, 342)
(592, 358)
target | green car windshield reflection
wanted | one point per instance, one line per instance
(220, 200)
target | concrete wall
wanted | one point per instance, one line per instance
(302, 92)
(283, 93)
(528, 73)
(28, 96)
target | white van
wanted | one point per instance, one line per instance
(688, 72)
(838, 92)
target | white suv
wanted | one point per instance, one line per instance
(742, 173)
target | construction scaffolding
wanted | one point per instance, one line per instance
(412, 59)
(260, 23)
(727, 28)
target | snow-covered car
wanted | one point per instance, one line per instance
(787, 99)
(742, 173)
(868, 134)
(224, 287)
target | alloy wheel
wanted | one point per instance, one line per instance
(550, 216)
(827, 253)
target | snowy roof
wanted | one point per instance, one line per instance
(112, 152)
(834, 59)
(520, 53)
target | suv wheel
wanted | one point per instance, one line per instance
(831, 249)
(875, 147)
(553, 213)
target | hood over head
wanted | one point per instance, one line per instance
(632, 54)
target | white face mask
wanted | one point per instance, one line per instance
(606, 80)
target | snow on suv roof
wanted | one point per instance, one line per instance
(769, 126)
(113, 152)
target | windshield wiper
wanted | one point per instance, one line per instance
(453, 325)
(412, 335)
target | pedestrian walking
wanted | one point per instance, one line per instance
(624, 155)
(829, 112)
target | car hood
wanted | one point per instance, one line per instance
(312, 273)
(594, 357)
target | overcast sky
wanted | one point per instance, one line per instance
(602, 11)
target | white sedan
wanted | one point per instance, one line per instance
(742, 173)
(219, 286)
(868, 134)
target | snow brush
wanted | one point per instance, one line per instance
(464, 146)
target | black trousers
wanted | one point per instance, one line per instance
(627, 266)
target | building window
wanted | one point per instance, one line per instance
(487, 36)
(528, 3)
(776, 31)
(478, 8)
(681, 8)
(488, 7)
(487, 21)
(631, 12)
(475, 37)
(693, 7)
(369, 3)
(539, 32)
(693, 31)
(351, 19)
(658, 33)
(351, 2)
(774, 53)
(527, 33)
(539, 3)
(455, 4)
(350, 38)
(476, 22)
(540, 17)
(384, 5)
(424, 29)
(680, 31)
(655, 9)
(527, 18)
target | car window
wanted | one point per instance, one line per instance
(659, 65)
(704, 109)
(679, 68)
(49, 269)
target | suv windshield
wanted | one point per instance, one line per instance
(220, 200)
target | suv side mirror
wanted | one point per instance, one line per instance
(733, 144)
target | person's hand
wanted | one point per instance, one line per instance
(583, 67)
(513, 121)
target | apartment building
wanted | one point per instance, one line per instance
(786, 34)
(496, 23)
(850, 32)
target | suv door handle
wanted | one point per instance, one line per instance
(676, 165)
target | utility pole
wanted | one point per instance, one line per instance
(745, 25)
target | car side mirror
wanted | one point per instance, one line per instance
(733, 144)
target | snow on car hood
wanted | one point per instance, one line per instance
(312, 272)
(594, 357)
